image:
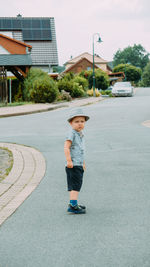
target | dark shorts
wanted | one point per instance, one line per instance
(74, 178)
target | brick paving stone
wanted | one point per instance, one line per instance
(24, 177)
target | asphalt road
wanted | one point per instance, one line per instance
(115, 232)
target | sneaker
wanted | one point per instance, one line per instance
(76, 209)
(82, 207)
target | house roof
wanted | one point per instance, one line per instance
(15, 60)
(77, 62)
(32, 28)
(97, 59)
(14, 40)
(117, 74)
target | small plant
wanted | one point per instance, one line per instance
(64, 96)
(90, 92)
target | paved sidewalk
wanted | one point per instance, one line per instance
(35, 108)
(28, 170)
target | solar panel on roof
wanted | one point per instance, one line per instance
(36, 23)
(27, 35)
(46, 34)
(6, 23)
(16, 24)
(32, 28)
(37, 34)
(45, 23)
(26, 23)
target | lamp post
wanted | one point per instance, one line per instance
(99, 41)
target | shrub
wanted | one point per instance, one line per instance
(65, 85)
(90, 92)
(145, 76)
(132, 73)
(81, 81)
(77, 90)
(85, 73)
(68, 76)
(16, 89)
(39, 87)
(64, 96)
(19, 96)
(101, 80)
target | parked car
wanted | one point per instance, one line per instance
(122, 89)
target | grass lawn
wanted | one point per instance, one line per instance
(14, 104)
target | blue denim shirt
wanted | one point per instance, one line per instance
(77, 147)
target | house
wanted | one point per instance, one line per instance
(37, 32)
(15, 56)
(116, 77)
(85, 62)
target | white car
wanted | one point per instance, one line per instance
(122, 89)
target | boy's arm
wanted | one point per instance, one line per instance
(67, 146)
(84, 165)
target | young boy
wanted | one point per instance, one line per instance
(74, 152)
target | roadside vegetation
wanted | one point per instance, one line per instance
(6, 168)
(39, 87)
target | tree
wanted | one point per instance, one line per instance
(146, 76)
(132, 73)
(136, 55)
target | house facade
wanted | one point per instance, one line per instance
(15, 56)
(37, 32)
(85, 62)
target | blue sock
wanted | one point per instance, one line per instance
(73, 202)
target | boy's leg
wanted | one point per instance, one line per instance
(73, 195)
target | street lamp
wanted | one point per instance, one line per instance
(99, 41)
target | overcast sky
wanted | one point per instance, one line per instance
(119, 22)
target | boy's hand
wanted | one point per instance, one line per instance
(70, 164)
(84, 166)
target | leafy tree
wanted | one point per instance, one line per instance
(136, 55)
(146, 76)
(131, 72)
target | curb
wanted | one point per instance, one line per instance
(32, 111)
(18, 111)
(27, 172)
